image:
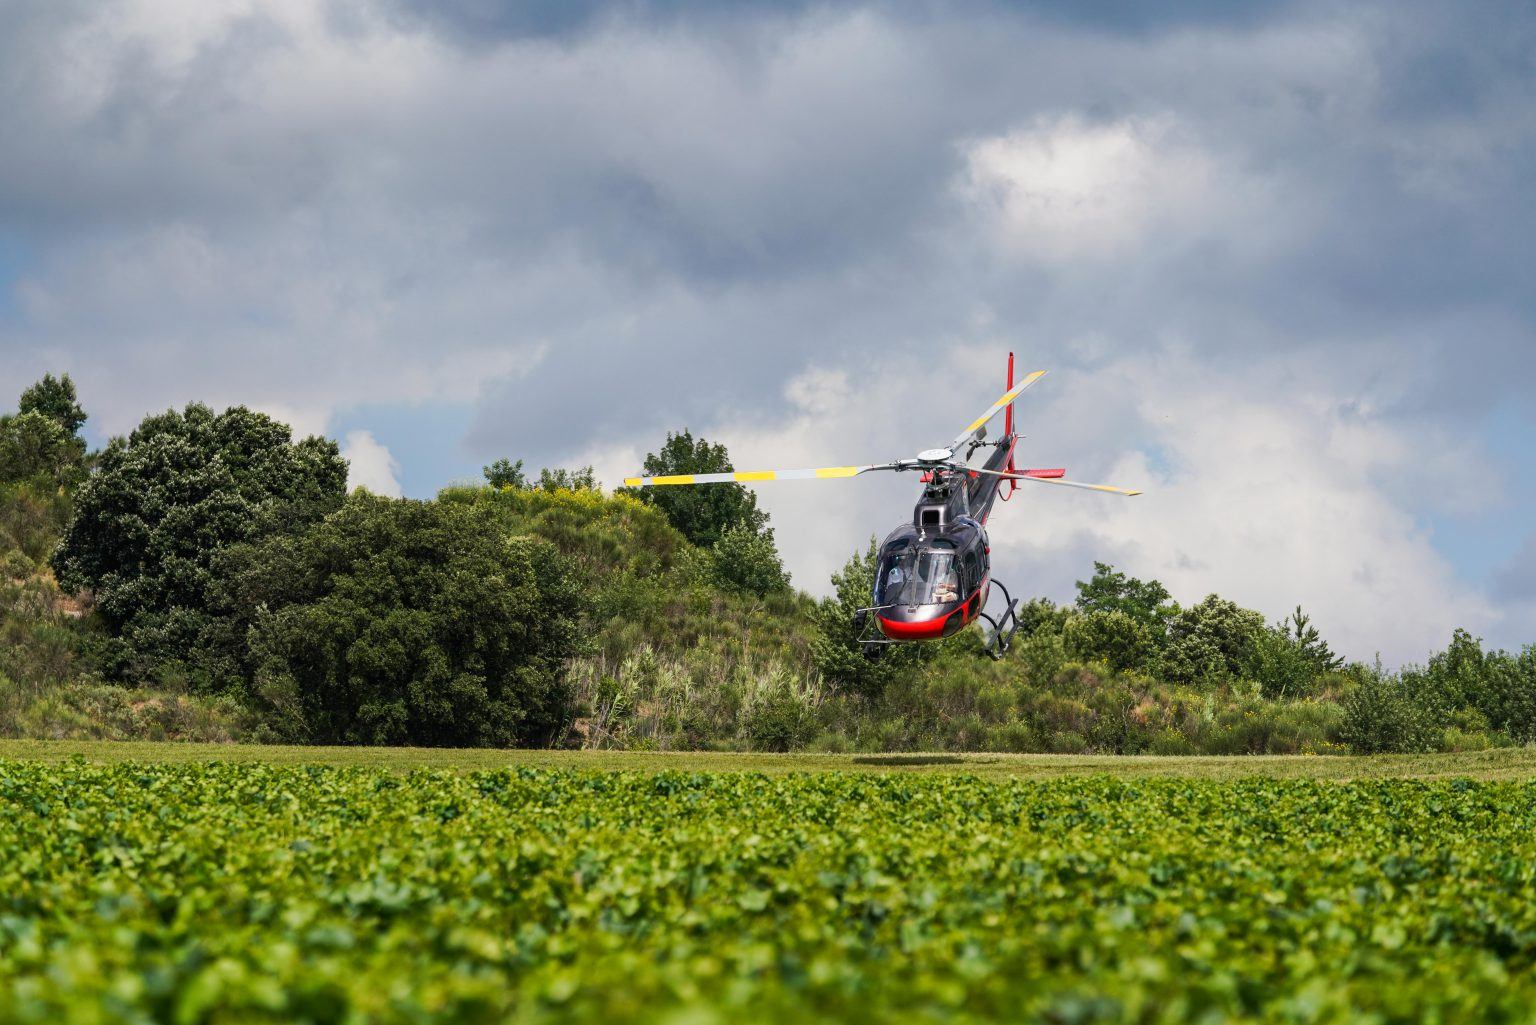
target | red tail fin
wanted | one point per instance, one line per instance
(1008, 428)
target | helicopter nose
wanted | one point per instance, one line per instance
(915, 630)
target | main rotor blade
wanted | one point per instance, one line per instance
(749, 476)
(996, 408)
(1109, 488)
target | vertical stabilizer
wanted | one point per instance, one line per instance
(1008, 429)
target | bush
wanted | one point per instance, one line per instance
(403, 622)
(1509, 694)
(747, 561)
(1210, 642)
(1146, 602)
(1381, 716)
(1112, 637)
(703, 514)
(151, 522)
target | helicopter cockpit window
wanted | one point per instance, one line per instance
(920, 576)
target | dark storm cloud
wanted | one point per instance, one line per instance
(594, 222)
(480, 22)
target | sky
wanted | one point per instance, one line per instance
(1276, 257)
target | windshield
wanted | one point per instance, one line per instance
(919, 577)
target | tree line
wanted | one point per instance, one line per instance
(211, 554)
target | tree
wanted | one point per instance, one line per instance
(568, 480)
(40, 445)
(748, 561)
(837, 649)
(1109, 590)
(395, 621)
(1509, 698)
(1454, 678)
(35, 448)
(1111, 636)
(150, 522)
(706, 512)
(1381, 716)
(1212, 641)
(1313, 648)
(502, 474)
(55, 398)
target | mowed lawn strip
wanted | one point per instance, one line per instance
(1505, 763)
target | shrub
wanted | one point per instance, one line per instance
(1212, 641)
(747, 561)
(1147, 602)
(1381, 716)
(703, 514)
(402, 622)
(1109, 636)
(163, 504)
(1509, 694)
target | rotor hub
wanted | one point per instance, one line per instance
(935, 455)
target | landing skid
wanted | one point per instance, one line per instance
(1003, 627)
(871, 644)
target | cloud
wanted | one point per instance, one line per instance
(1263, 486)
(1064, 188)
(1516, 581)
(810, 231)
(369, 464)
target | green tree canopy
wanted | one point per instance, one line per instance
(1214, 640)
(1145, 601)
(703, 513)
(40, 445)
(163, 502)
(748, 561)
(54, 397)
(1111, 636)
(35, 448)
(504, 474)
(402, 622)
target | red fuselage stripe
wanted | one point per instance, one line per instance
(929, 629)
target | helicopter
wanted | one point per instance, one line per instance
(933, 574)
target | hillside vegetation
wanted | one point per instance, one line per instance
(209, 578)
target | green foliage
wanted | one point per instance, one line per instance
(1282, 666)
(40, 446)
(568, 480)
(234, 893)
(1453, 679)
(1213, 641)
(34, 448)
(403, 622)
(1509, 694)
(1381, 715)
(838, 651)
(54, 398)
(703, 513)
(83, 709)
(1111, 636)
(1145, 602)
(162, 505)
(747, 561)
(1299, 629)
(502, 474)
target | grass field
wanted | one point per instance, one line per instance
(209, 892)
(1515, 764)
